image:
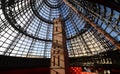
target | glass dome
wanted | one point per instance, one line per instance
(26, 27)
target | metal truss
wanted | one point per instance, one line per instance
(26, 27)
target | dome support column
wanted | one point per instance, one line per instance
(59, 53)
(108, 37)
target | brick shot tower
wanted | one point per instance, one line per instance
(59, 53)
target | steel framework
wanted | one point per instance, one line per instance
(26, 27)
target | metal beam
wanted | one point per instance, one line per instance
(108, 37)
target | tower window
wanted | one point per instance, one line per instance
(53, 60)
(58, 60)
(56, 29)
(56, 22)
(56, 41)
